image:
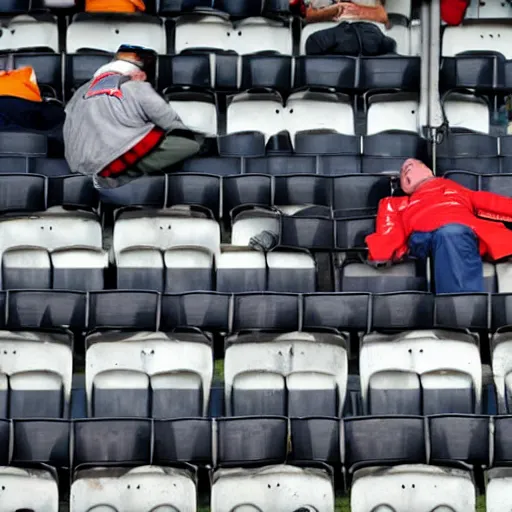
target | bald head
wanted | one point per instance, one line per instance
(413, 174)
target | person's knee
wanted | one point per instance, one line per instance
(453, 231)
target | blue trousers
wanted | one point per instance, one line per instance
(458, 266)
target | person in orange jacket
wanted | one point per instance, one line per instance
(130, 6)
(444, 220)
(22, 105)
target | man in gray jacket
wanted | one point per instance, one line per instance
(118, 128)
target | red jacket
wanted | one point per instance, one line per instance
(436, 203)
(453, 11)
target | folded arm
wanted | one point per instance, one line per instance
(389, 242)
(329, 13)
(363, 12)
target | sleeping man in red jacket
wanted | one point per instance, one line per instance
(444, 220)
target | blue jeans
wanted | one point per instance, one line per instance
(458, 266)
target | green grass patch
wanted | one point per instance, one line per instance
(218, 371)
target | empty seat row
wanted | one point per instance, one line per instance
(144, 351)
(223, 312)
(474, 152)
(231, 72)
(420, 454)
(358, 193)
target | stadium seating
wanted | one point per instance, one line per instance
(111, 321)
(138, 371)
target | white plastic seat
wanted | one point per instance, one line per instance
(489, 10)
(416, 352)
(291, 272)
(272, 488)
(99, 33)
(412, 488)
(502, 369)
(256, 112)
(255, 34)
(143, 357)
(249, 35)
(164, 230)
(241, 271)
(140, 268)
(311, 111)
(469, 112)
(150, 488)
(497, 490)
(78, 268)
(39, 369)
(201, 32)
(40, 489)
(199, 116)
(402, 7)
(314, 365)
(51, 230)
(504, 277)
(188, 269)
(26, 267)
(496, 37)
(251, 223)
(392, 115)
(25, 32)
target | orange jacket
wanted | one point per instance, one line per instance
(436, 203)
(20, 83)
(114, 6)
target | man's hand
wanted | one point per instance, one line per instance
(347, 10)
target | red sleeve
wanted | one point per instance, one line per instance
(389, 240)
(492, 206)
(453, 11)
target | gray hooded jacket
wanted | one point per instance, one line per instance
(100, 129)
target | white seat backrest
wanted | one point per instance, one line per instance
(151, 353)
(188, 257)
(467, 114)
(305, 111)
(245, 228)
(392, 115)
(25, 352)
(24, 31)
(249, 490)
(489, 37)
(107, 35)
(259, 34)
(51, 232)
(197, 115)
(164, 232)
(486, 10)
(263, 115)
(288, 260)
(504, 275)
(402, 7)
(388, 489)
(41, 486)
(204, 32)
(168, 489)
